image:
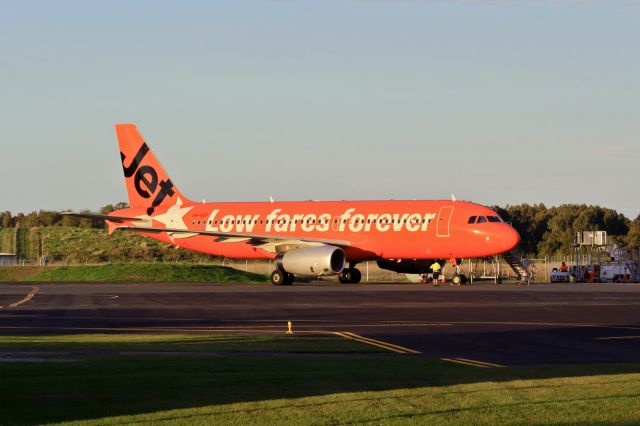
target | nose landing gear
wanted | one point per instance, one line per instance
(458, 277)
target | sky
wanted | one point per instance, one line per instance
(497, 102)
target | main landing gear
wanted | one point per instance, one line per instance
(279, 277)
(350, 275)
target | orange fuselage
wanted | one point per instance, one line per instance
(429, 229)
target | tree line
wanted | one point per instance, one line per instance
(46, 218)
(551, 230)
(544, 230)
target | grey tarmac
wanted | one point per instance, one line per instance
(501, 324)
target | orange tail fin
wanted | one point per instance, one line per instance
(148, 184)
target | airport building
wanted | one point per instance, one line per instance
(8, 259)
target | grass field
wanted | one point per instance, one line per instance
(336, 389)
(18, 273)
(139, 272)
(184, 343)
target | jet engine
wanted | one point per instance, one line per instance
(313, 261)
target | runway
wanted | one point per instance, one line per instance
(501, 325)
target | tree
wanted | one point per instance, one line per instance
(632, 239)
(48, 218)
(6, 221)
(529, 220)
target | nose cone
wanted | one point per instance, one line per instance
(510, 239)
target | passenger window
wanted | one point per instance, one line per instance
(472, 219)
(482, 219)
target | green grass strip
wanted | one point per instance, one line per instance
(313, 390)
(185, 343)
(127, 272)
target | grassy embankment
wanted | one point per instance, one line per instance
(125, 272)
(354, 389)
(88, 245)
(85, 245)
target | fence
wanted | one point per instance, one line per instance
(370, 270)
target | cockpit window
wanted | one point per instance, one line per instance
(482, 219)
(472, 219)
(493, 219)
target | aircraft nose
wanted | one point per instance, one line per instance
(511, 239)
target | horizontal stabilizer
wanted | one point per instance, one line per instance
(113, 222)
(116, 219)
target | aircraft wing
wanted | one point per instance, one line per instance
(267, 242)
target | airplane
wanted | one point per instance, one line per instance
(306, 238)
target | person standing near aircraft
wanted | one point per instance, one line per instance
(435, 269)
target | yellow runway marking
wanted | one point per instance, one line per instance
(26, 299)
(463, 362)
(472, 362)
(618, 338)
(379, 343)
(475, 361)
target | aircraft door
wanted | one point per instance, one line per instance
(444, 217)
(335, 223)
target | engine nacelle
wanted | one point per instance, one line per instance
(406, 266)
(313, 261)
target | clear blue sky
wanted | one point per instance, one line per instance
(496, 102)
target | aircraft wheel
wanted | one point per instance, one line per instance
(290, 278)
(456, 279)
(463, 279)
(278, 277)
(356, 276)
(345, 276)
